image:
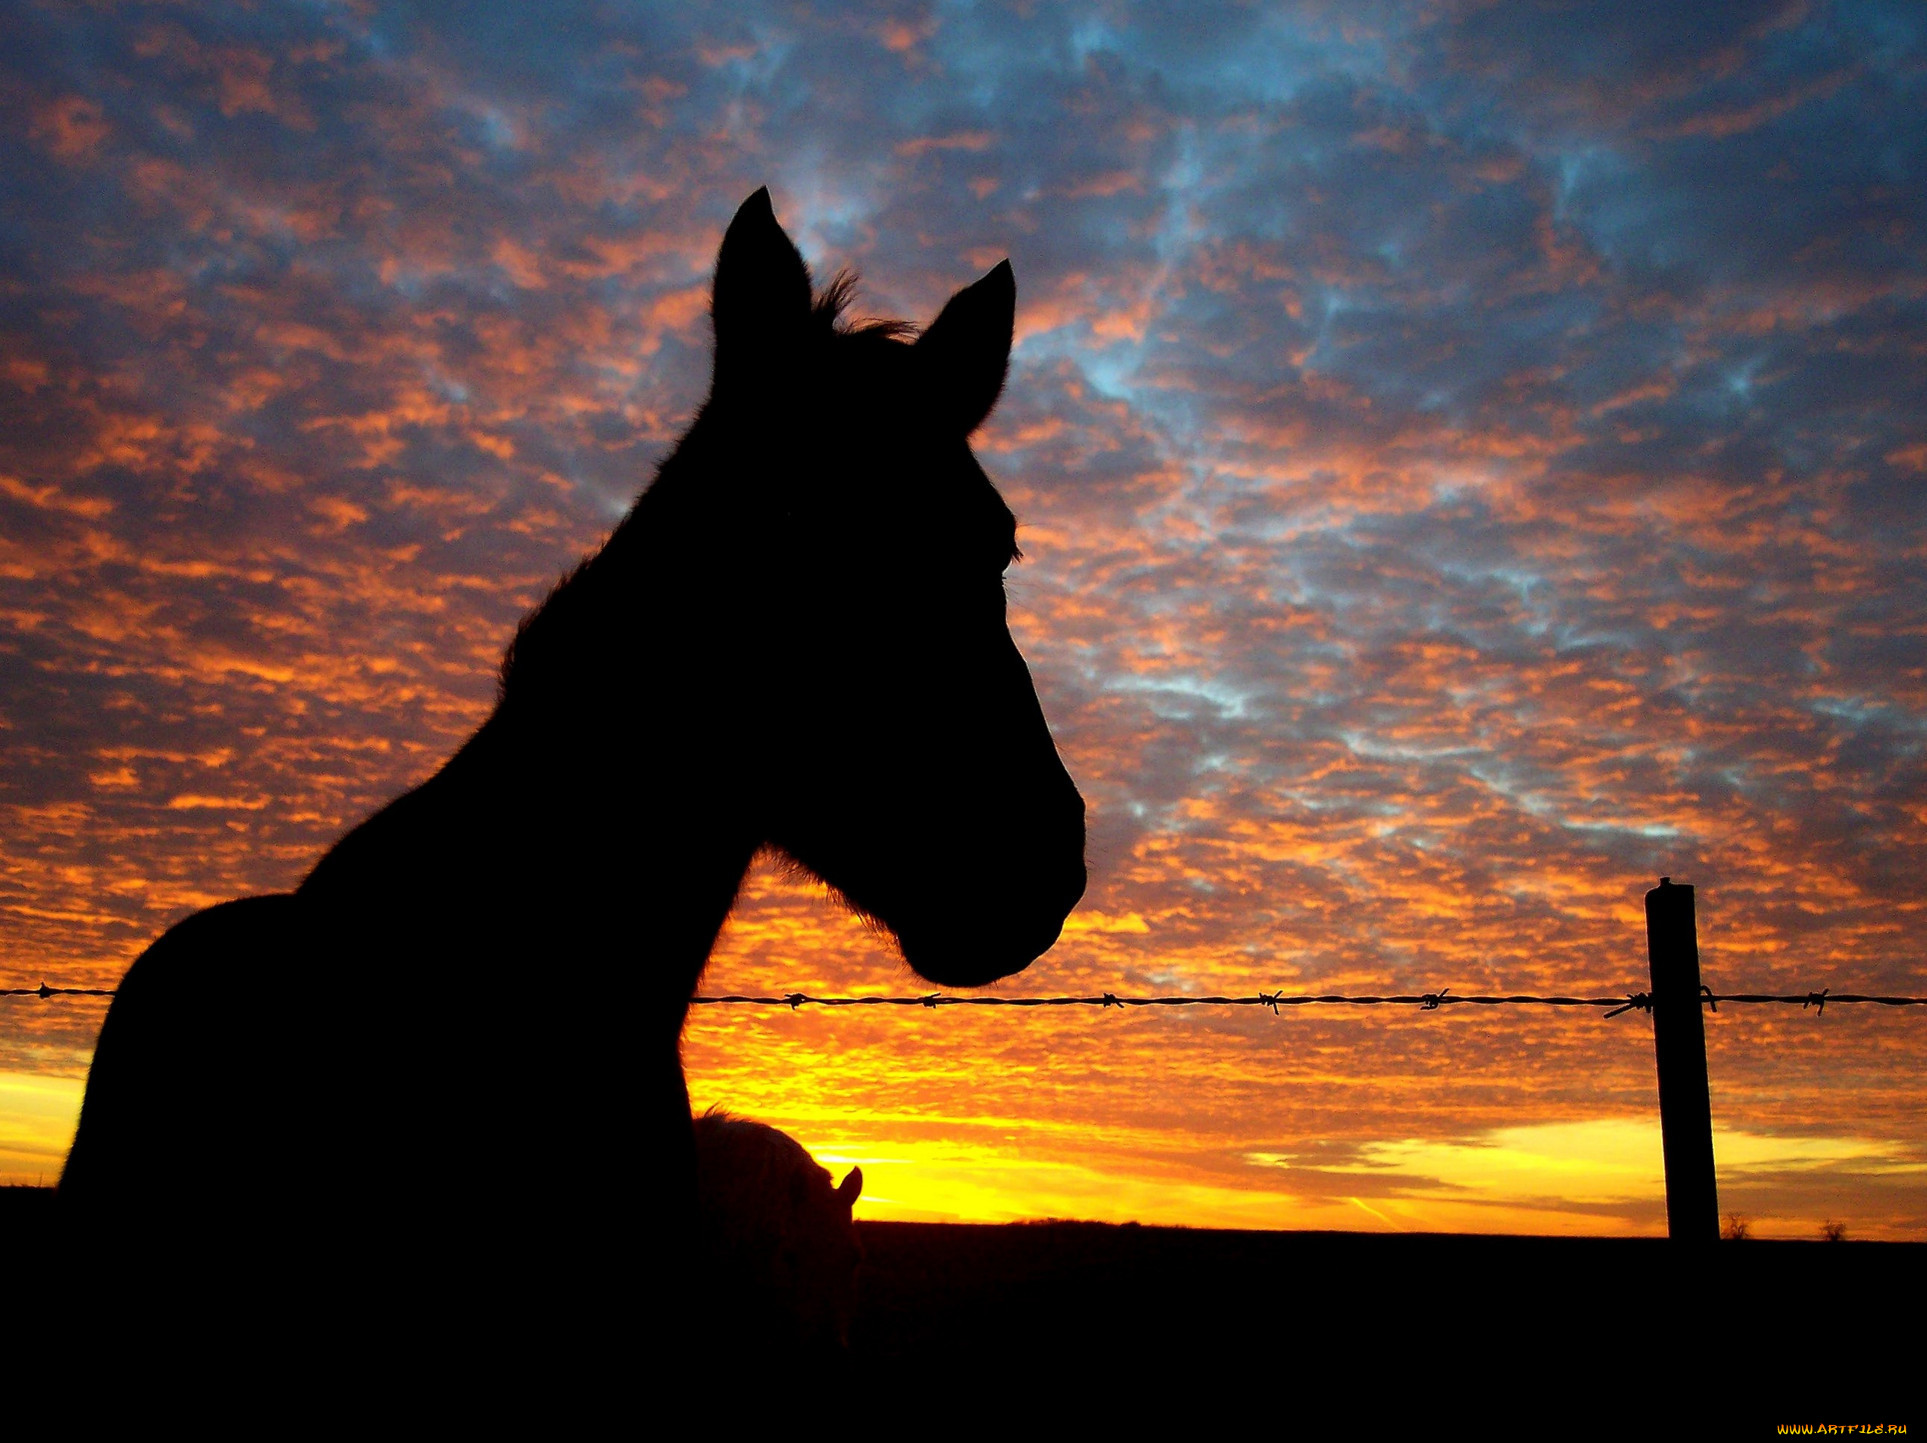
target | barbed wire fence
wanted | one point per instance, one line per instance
(1423, 1001)
(1679, 1040)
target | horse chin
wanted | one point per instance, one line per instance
(954, 958)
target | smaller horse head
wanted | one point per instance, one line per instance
(897, 749)
(779, 1245)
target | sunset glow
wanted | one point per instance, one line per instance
(1469, 464)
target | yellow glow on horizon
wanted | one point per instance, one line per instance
(1599, 1176)
(38, 1115)
(1595, 1176)
(1600, 1161)
(941, 1181)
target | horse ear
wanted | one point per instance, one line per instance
(967, 349)
(761, 301)
(852, 1188)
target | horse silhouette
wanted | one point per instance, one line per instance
(779, 1247)
(795, 640)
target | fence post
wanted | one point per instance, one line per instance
(1679, 1040)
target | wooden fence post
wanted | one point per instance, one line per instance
(1679, 1040)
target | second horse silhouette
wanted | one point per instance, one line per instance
(795, 640)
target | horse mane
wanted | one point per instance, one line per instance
(519, 643)
(760, 1156)
(831, 308)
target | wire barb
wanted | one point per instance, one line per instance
(1431, 1000)
(1817, 999)
(1642, 1000)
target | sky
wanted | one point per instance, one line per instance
(1470, 463)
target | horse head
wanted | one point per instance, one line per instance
(895, 747)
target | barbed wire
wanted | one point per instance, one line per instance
(1424, 1001)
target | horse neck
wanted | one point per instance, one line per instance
(561, 837)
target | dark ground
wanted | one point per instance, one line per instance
(1610, 1328)
(1407, 1301)
(1562, 1337)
